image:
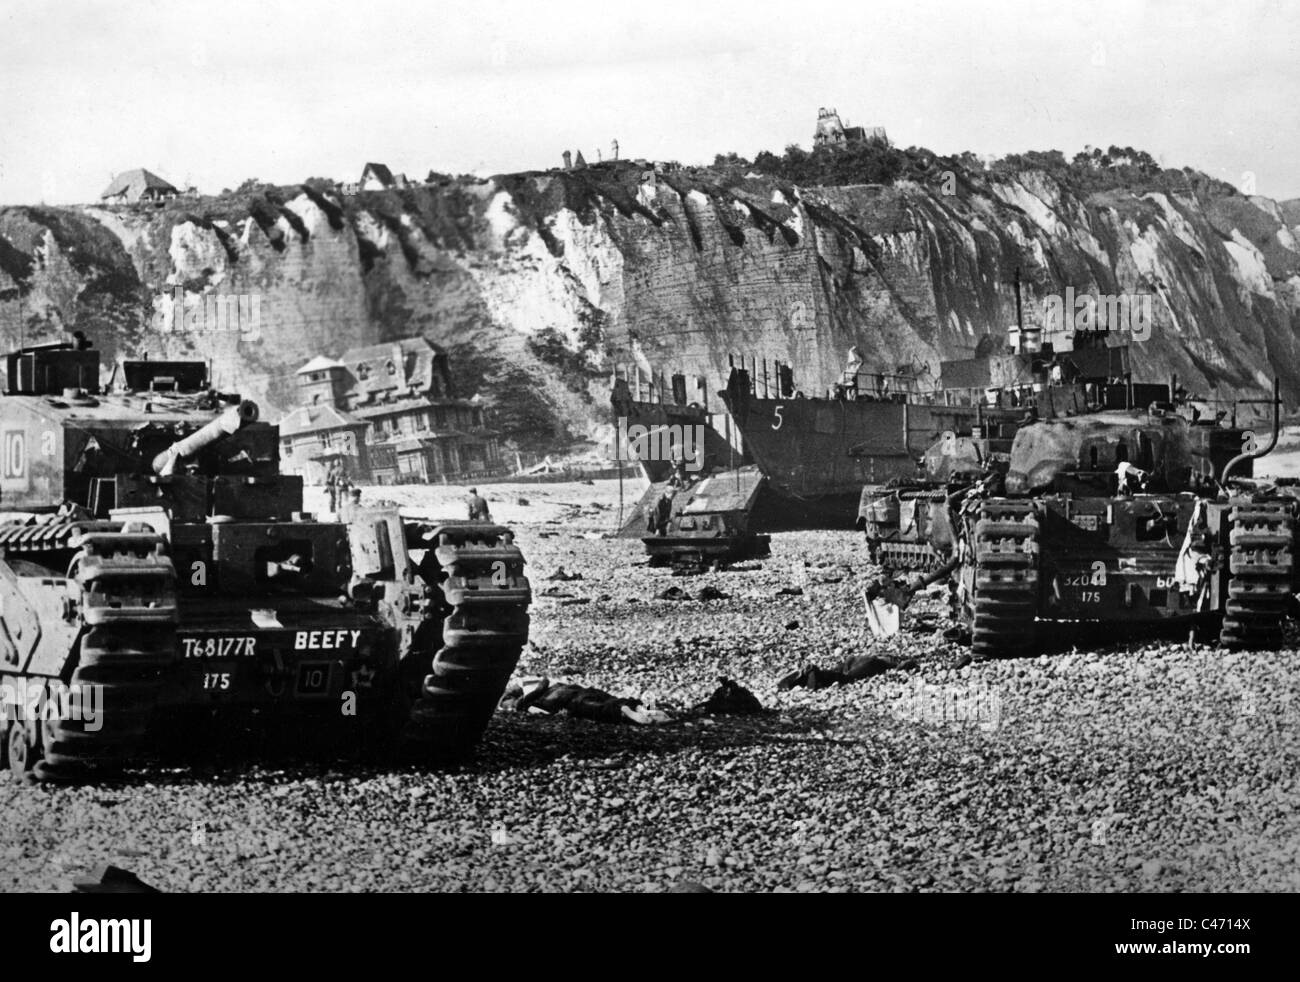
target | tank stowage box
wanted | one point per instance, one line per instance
(159, 578)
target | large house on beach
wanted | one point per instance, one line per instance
(386, 413)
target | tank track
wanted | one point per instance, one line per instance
(127, 646)
(484, 626)
(1261, 567)
(1004, 602)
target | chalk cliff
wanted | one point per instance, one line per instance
(536, 282)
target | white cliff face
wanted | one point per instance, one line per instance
(196, 255)
(1252, 271)
(500, 272)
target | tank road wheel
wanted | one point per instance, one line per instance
(23, 752)
(484, 625)
(1004, 600)
(1261, 564)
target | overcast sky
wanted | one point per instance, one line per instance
(212, 93)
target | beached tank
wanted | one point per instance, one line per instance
(159, 581)
(908, 522)
(706, 525)
(1114, 518)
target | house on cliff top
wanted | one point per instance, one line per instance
(377, 177)
(387, 413)
(831, 132)
(137, 185)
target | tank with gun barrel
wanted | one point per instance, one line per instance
(159, 577)
(1116, 518)
(906, 521)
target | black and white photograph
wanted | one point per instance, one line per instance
(600, 448)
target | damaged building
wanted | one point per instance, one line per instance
(386, 412)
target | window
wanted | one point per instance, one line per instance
(392, 369)
(363, 371)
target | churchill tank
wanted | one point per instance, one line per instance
(908, 522)
(1120, 519)
(159, 578)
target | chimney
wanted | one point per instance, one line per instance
(568, 160)
(399, 362)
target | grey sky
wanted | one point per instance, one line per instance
(210, 94)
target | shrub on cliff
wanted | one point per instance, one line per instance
(863, 163)
(1112, 169)
(549, 347)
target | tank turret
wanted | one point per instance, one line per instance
(1097, 453)
(1084, 454)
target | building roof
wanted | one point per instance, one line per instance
(400, 406)
(319, 364)
(381, 172)
(390, 369)
(133, 184)
(313, 419)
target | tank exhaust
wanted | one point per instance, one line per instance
(1257, 453)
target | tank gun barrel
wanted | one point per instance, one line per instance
(227, 423)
